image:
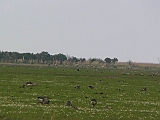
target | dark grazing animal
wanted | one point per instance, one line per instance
(93, 102)
(107, 107)
(43, 100)
(144, 89)
(30, 84)
(69, 103)
(74, 107)
(78, 87)
(92, 87)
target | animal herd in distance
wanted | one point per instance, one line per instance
(44, 100)
(93, 102)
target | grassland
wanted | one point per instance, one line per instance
(119, 96)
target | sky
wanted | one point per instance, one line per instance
(125, 29)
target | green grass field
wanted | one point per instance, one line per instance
(118, 96)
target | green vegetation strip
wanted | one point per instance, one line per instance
(119, 96)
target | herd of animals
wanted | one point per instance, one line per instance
(44, 100)
(93, 102)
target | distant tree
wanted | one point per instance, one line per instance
(100, 61)
(38, 57)
(27, 57)
(72, 60)
(45, 56)
(114, 60)
(14, 56)
(60, 57)
(91, 60)
(1, 55)
(82, 60)
(5, 56)
(130, 62)
(107, 60)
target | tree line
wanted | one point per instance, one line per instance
(46, 58)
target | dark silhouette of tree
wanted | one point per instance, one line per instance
(60, 57)
(45, 58)
(72, 60)
(38, 58)
(100, 61)
(107, 60)
(82, 60)
(27, 56)
(14, 56)
(5, 56)
(130, 62)
(1, 55)
(91, 60)
(114, 60)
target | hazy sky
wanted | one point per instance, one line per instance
(126, 29)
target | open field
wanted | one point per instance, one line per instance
(119, 96)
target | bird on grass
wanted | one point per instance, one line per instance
(92, 87)
(107, 107)
(144, 89)
(74, 107)
(93, 102)
(70, 105)
(78, 87)
(43, 100)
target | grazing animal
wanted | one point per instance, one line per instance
(98, 93)
(101, 93)
(100, 80)
(78, 87)
(23, 86)
(146, 68)
(129, 67)
(107, 107)
(43, 100)
(30, 84)
(144, 89)
(118, 89)
(69, 103)
(141, 74)
(93, 102)
(74, 107)
(114, 66)
(92, 87)
(154, 74)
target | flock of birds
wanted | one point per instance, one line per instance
(93, 103)
(44, 100)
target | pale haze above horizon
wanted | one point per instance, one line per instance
(125, 29)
